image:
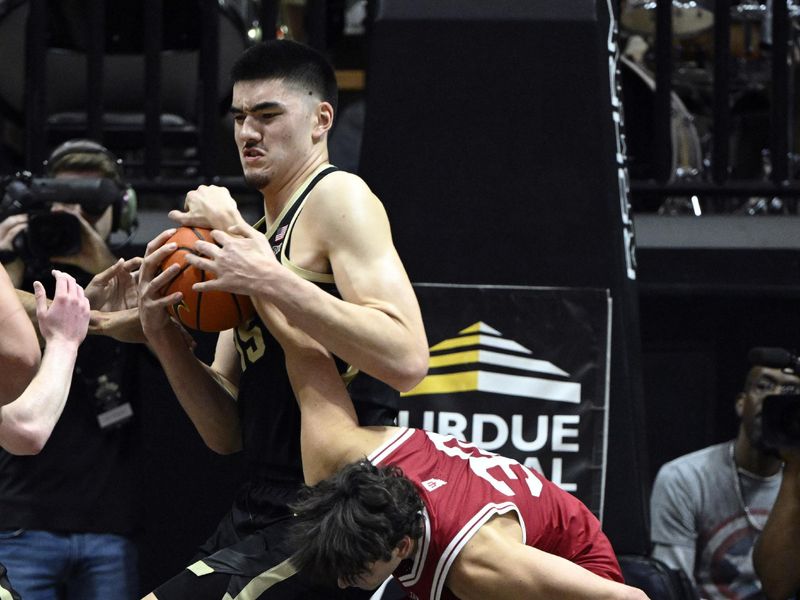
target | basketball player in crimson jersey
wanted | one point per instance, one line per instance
(447, 519)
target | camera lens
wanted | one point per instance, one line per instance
(54, 234)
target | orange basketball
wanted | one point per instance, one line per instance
(204, 311)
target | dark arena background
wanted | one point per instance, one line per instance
(589, 185)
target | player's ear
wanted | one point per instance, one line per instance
(405, 547)
(324, 120)
(740, 404)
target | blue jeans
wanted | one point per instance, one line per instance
(80, 566)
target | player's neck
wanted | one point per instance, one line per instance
(278, 192)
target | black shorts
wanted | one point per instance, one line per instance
(254, 566)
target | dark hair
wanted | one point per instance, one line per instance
(352, 519)
(292, 62)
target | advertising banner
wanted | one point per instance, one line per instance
(523, 372)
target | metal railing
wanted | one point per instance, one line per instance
(770, 31)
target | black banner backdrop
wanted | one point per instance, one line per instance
(523, 372)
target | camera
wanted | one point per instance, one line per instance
(54, 233)
(780, 421)
(780, 413)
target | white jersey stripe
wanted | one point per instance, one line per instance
(421, 555)
(381, 452)
(462, 537)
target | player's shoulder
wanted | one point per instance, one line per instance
(341, 189)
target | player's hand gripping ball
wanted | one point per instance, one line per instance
(208, 310)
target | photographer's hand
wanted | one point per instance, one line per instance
(10, 228)
(94, 255)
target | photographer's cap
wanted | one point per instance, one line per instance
(774, 358)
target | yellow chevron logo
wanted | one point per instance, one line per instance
(482, 345)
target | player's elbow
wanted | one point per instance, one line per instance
(631, 593)
(410, 371)
(26, 440)
(33, 444)
(223, 445)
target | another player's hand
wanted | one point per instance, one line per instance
(66, 319)
(152, 305)
(121, 325)
(241, 261)
(94, 255)
(115, 288)
(208, 206)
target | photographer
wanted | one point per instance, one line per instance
(708, 507)
(67, 514)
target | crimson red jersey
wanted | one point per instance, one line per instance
(463, 486)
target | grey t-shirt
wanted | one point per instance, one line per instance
(699, 523)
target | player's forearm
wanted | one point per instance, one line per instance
(777, 550)
(200, 391)
(535, 574)
(329, 425)
(19, 363)
(28, 301)
(19, 348)
(30, 419)
(373, 337)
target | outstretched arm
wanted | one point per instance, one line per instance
(27, 422)
(112, 297)
(330, 435)
(496, 565)
(777, 551)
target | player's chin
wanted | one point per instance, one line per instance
(255, 179)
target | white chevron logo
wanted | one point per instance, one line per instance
(482, 345)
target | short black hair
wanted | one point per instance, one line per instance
(292, 62)
(354, 518)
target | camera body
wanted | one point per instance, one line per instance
(780, 413)
(54, 233)
(780, 421)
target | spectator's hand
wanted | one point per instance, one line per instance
(115, 288)
(66, 319)
(241, 262)
(94, 255)
(208, 206)
(152, 305)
